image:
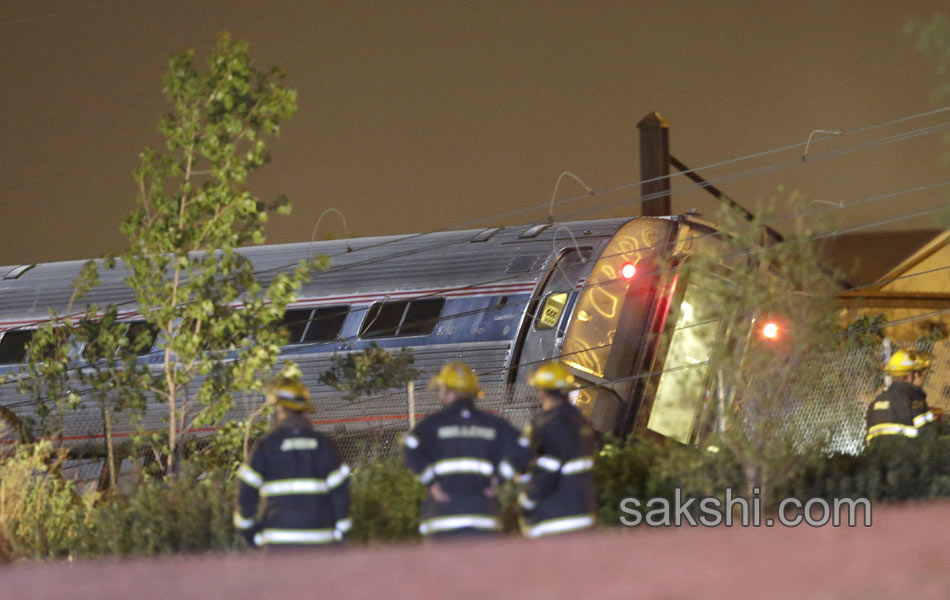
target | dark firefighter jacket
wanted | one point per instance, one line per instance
(560, 493)
(901, 410)
(305, 488)
(466, 451)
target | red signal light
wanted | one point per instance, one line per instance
(770, 331)
(628, 270)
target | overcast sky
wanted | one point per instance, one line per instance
(422, 115)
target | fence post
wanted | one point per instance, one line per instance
(888, 352)
(411, 388)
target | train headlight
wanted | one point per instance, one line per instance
(770, 331)
(628, 270)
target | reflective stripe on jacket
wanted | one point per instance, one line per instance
(305, 487)
(560, 495)
(901, 410)
(466, 451)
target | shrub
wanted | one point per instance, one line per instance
(385, 502)
(40, 513)
(626, 469)
(187, 513)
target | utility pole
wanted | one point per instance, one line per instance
(654, 165)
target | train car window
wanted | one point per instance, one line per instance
(13, 346)
(142, 336)
(421, 316)
(326, 323)
(295, 322)
(534, 230)
(486, 234)
(551, 310)
(382, 319)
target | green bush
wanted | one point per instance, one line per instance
(41, 515)
(385, 502)
(890, 470)
(626, 469)
(187, 513)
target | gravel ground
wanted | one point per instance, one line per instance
(905, 553)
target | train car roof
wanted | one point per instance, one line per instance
(489, 260)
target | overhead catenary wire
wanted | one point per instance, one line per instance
(640, 338)
(586, 211)
(656, 195)
(868, 329)
(597, 209)
(833, 233)
(735, 254)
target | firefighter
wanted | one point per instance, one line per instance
(559, 497)
(298, 473)
(460, 454)
(900, 411)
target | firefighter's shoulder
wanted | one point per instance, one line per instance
(544, 423)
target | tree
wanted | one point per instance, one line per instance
(217, 323)
(371, 371)
(933, 41)
(213, 317)
(762, 380)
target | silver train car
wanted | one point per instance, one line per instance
(502, 299)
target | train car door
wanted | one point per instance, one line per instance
(545, 323)
(676, 396)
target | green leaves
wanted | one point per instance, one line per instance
(370, 371)
(195, 289)
(755, 378)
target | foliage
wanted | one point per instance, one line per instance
(759, 381)
(933, 41)
(931, 331)
(42, 515)
(385, 502)
(863, 332)
(217, 322)
(188, 513)
(216, 319)
(369, 371)
(626, 469)
(890, 470)
(110, 373)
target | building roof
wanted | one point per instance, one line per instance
(868, 258)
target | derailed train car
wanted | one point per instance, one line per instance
(502, 299)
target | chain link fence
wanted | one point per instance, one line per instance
(824, 401)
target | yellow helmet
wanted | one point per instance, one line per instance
(458, 377)
(291, 394)
(905, 362)
(552, 376)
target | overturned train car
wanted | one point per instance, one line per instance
(502, 299)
